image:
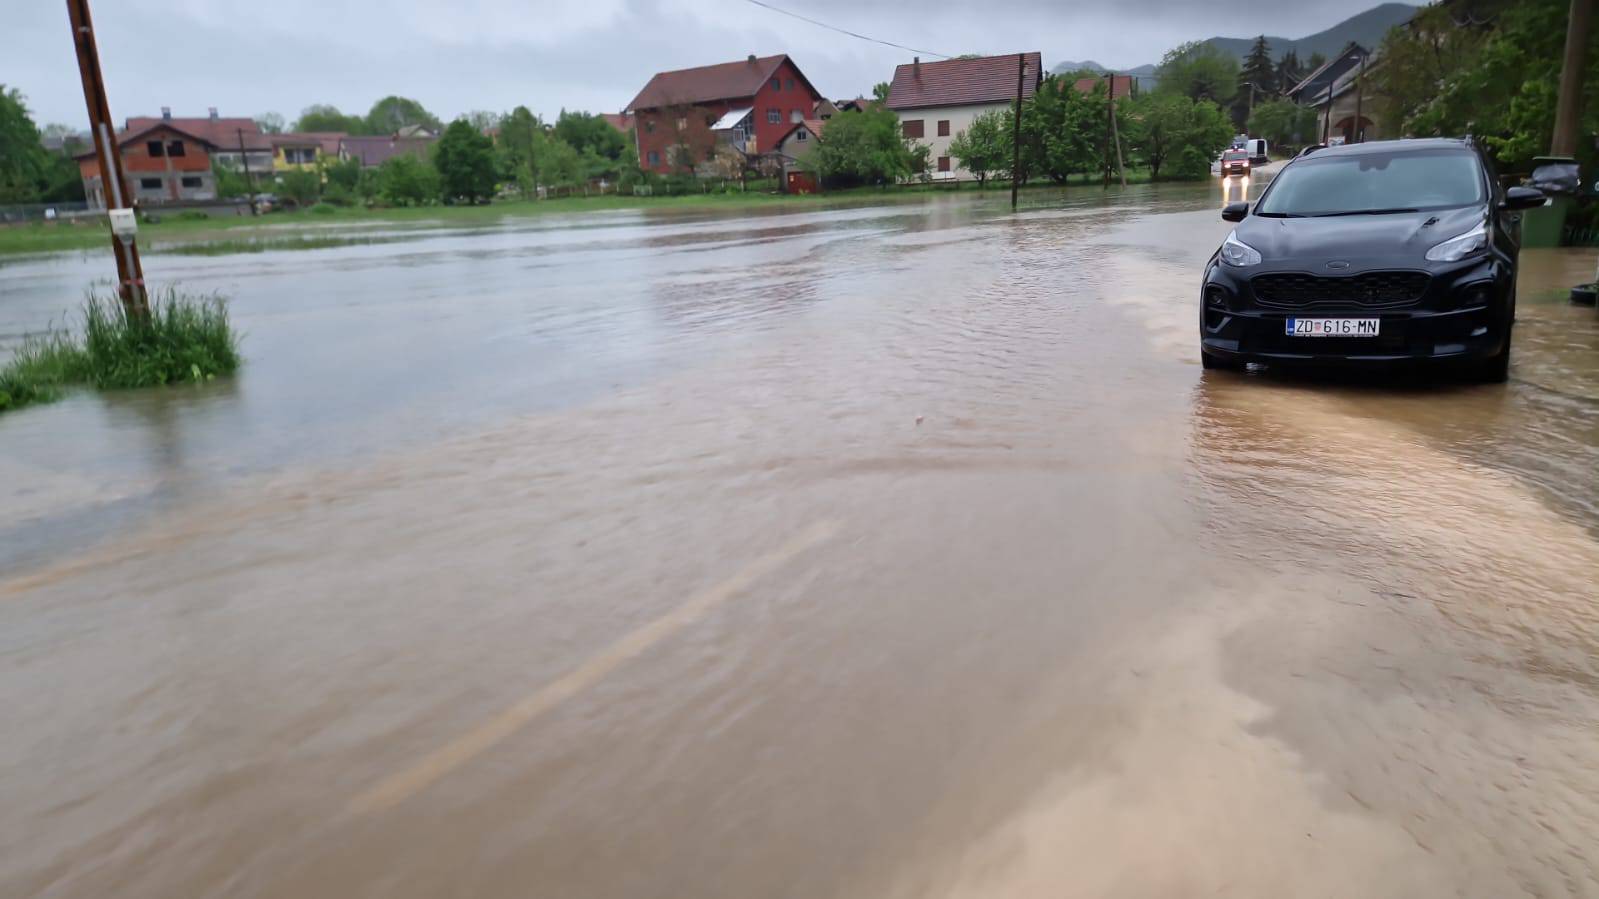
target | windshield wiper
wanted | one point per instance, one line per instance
(1281, 215)
(1396, 209)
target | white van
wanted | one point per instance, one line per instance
(1257, 152)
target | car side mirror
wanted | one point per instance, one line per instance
(1236, 212)
(1522, 198)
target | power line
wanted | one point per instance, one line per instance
(863, 37)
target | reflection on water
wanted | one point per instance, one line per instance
(503, 527)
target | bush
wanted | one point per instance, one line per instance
(40, 367)
(325, 208)
(183, 339)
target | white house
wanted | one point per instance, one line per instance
(937, 100)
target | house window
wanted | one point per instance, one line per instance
(943, 163)
(911, 128)
(150, 183)
(155, 148)
(802, 134)
(795, 116)
(776, 85)
(649, 126)
(774, 116)
(655, 157)
(790, 84)
(175, 148)
(682, 124)
(943, 127)
(191, 181)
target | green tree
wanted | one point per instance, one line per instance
(1316, 61)
(587, 132)
(560, 164)
(465, 162)
(24, 164)
(1444, 77)
(1063, 129)
(984, 147)
(1198, 71)
(404, 180)
(301, 186)
(880, 91)
(866, 149)
(1283, 123)
(323, 117)
(1289, 72)
(269, 123)
(392, 113)
(1257, 80)
(1174, 135)
(521, 137)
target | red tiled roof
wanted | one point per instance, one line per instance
(326, 141)
(127, 137)
(225, 133)
(376, 150)
(621, 121)
(723, 81)
(815, 126)
(1122, 85)
(959, 82)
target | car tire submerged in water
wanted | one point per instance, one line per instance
(1495, 370)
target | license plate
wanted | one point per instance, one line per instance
(1333, 327)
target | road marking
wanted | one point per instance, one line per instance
(452, 755)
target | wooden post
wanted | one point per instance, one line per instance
(1016, 131)
(1110, 122)
(130, 271)
(1568, 107)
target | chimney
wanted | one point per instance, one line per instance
(752, 57)
(166, 113)
(916, 66)
(213, 111)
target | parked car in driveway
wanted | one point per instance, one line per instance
(1372, 253)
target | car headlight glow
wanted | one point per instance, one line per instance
(1457, 248)
(1236, 252)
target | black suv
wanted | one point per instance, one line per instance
(1381, 252)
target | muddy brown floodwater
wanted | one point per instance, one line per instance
(895, 551)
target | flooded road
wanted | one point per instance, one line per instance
(896, 551)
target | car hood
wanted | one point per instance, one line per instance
(1362, 241)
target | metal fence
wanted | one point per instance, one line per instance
(44, 212)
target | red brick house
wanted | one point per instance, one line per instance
(161, 163)
(1121, 85)
(673, 114)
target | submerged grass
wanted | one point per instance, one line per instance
(184, 338)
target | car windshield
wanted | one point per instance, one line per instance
(1374, 182)
(1230, 155)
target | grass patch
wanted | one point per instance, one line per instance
(184, 338)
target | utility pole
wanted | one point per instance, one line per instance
(130, 273)
(1568, 108)
(244, 160)
(1360, 96)
(1115, 134)
(1016, 131)
(1110, 122)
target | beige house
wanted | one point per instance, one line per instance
(937, 100)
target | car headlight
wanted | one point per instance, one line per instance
(1236, 252)
(1457, 248)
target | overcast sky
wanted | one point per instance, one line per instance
(455, 56)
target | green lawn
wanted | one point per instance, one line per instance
(310, 230)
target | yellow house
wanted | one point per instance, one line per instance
(308, 151)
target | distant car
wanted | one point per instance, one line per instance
(1374, 253)
(1257, 152)
(1235, 162)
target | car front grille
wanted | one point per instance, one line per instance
(1370, 290)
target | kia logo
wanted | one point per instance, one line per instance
(1338, 264)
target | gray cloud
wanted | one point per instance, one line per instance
(247, 57)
